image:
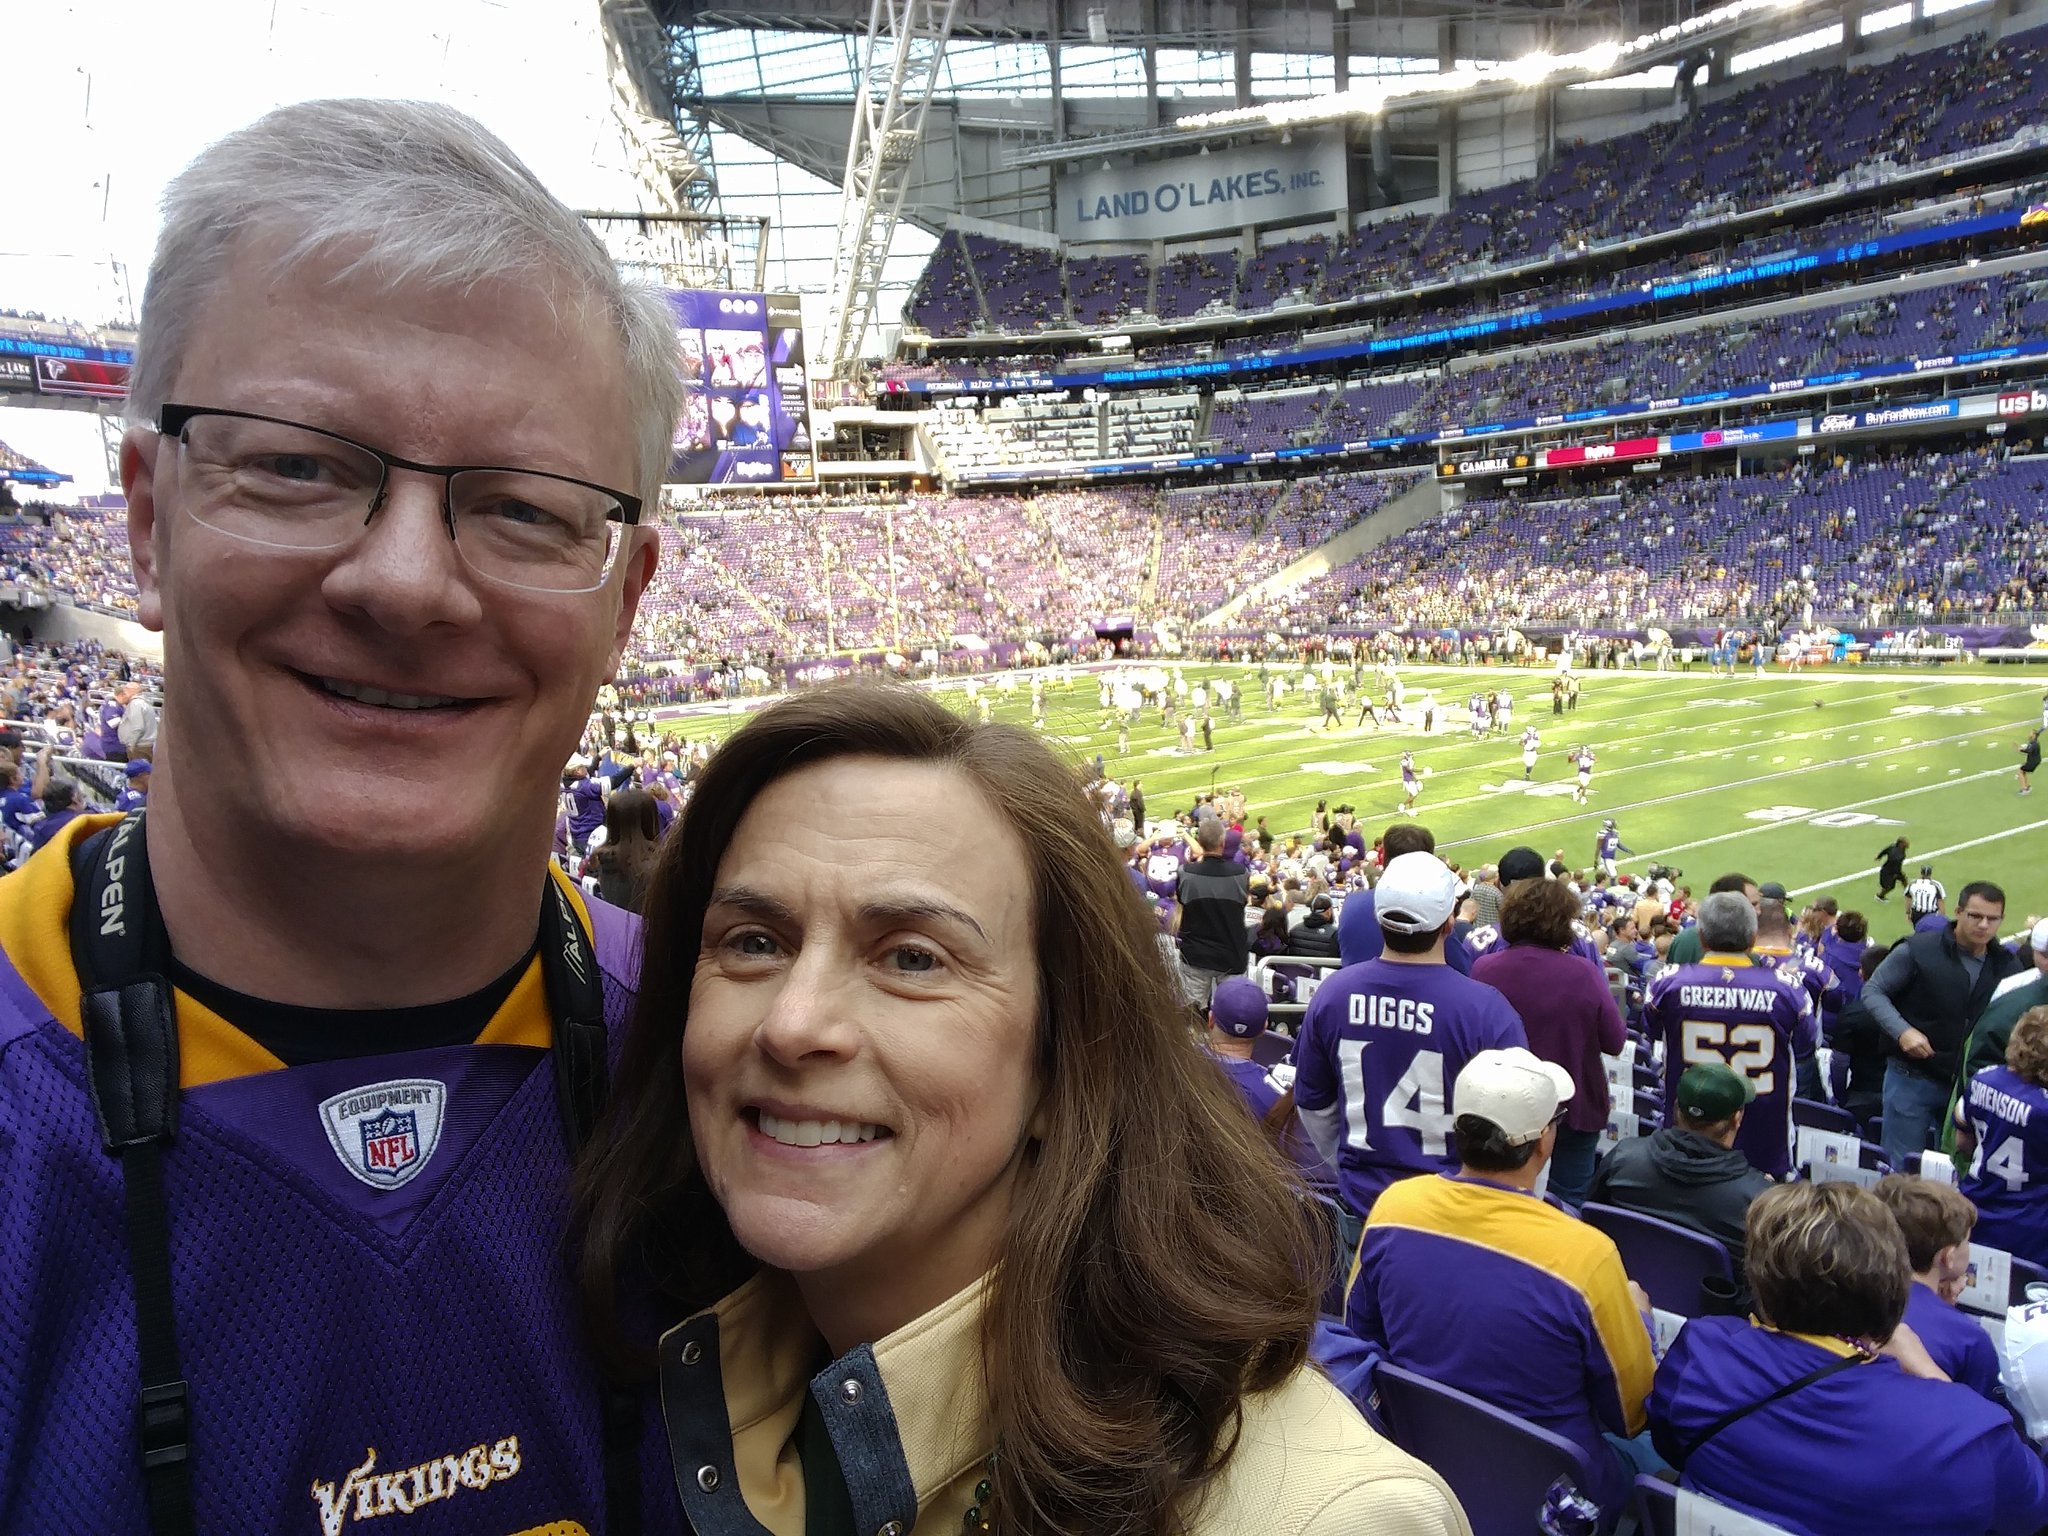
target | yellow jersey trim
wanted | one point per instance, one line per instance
(35, 919)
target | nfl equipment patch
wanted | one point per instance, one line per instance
(385, 1133)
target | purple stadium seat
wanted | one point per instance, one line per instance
(1824, 1117)
(1501, 1467)
(1656, 1507)
(1270, 1049)
(1670, 1262)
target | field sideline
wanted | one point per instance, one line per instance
(1707, 773)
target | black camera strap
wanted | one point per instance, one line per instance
(121, 951)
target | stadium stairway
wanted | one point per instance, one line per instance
(1412, 508)
(1148, 590)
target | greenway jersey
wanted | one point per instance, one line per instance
(2008, 1177)
(1380, 1047)
(1734, 1011)
(369, 1291)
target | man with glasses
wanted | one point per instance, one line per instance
(293, 1063)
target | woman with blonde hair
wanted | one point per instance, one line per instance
(971, 1233)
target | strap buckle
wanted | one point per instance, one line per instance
(166, 1425)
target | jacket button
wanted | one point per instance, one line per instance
(850, 1390)
(707, 1478)
(692, 1352)
(893, 1528)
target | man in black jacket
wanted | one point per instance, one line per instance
(1859, 1043)
(1927, 996)
(1315, 934)
(1690, 1172)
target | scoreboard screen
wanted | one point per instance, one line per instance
(746, 416)
(94, 378)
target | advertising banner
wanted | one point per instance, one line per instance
(1199, 194)
(746, 416)
(17, 373)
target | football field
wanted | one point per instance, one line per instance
(1800, 779)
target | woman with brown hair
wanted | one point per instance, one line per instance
(1568, 1010)
(624, 864)
(906, 1048)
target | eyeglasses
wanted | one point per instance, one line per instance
(282, 485)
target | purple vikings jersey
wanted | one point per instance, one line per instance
(1409, 778)
(371, 1301)
(1380, 1046)
(1608, 845)
(586, 807)
(2008, 1177)
(1808, 971)
(104, 739)
(1161, 872)
(1741, 1013)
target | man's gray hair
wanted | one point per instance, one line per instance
(1209, 833)
(1727, 923)
(409, 193)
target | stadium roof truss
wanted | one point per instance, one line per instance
(906, 42)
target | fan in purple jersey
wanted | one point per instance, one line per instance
(1383, 1040)
(585, 796)
(1519, 864)
(2008, 1177)
(1730, 1008)
(1776, 946)
(1160, 869)
(316, 1272)
(136, 795)
(1411, 783)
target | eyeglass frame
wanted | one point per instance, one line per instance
(172, 420)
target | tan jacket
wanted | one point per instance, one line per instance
(908, 1420)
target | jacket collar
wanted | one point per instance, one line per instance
(908, 1414)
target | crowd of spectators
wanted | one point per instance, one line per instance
(1512, 1082)
(1878, 538)
(1746, 150)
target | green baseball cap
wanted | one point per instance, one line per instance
(1710, 1092)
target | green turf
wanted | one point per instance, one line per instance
(1708, 773)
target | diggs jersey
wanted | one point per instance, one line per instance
(1741, 1013)
(1608, 845)
(371, 1301)
(1380, 1047)
(2008, 1177)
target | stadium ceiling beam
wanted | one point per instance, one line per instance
(1368, 101)
(1207, 24)
(906, 43)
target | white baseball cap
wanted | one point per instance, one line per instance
(1515, 1089)
(1416, 894)
(2038, 940)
